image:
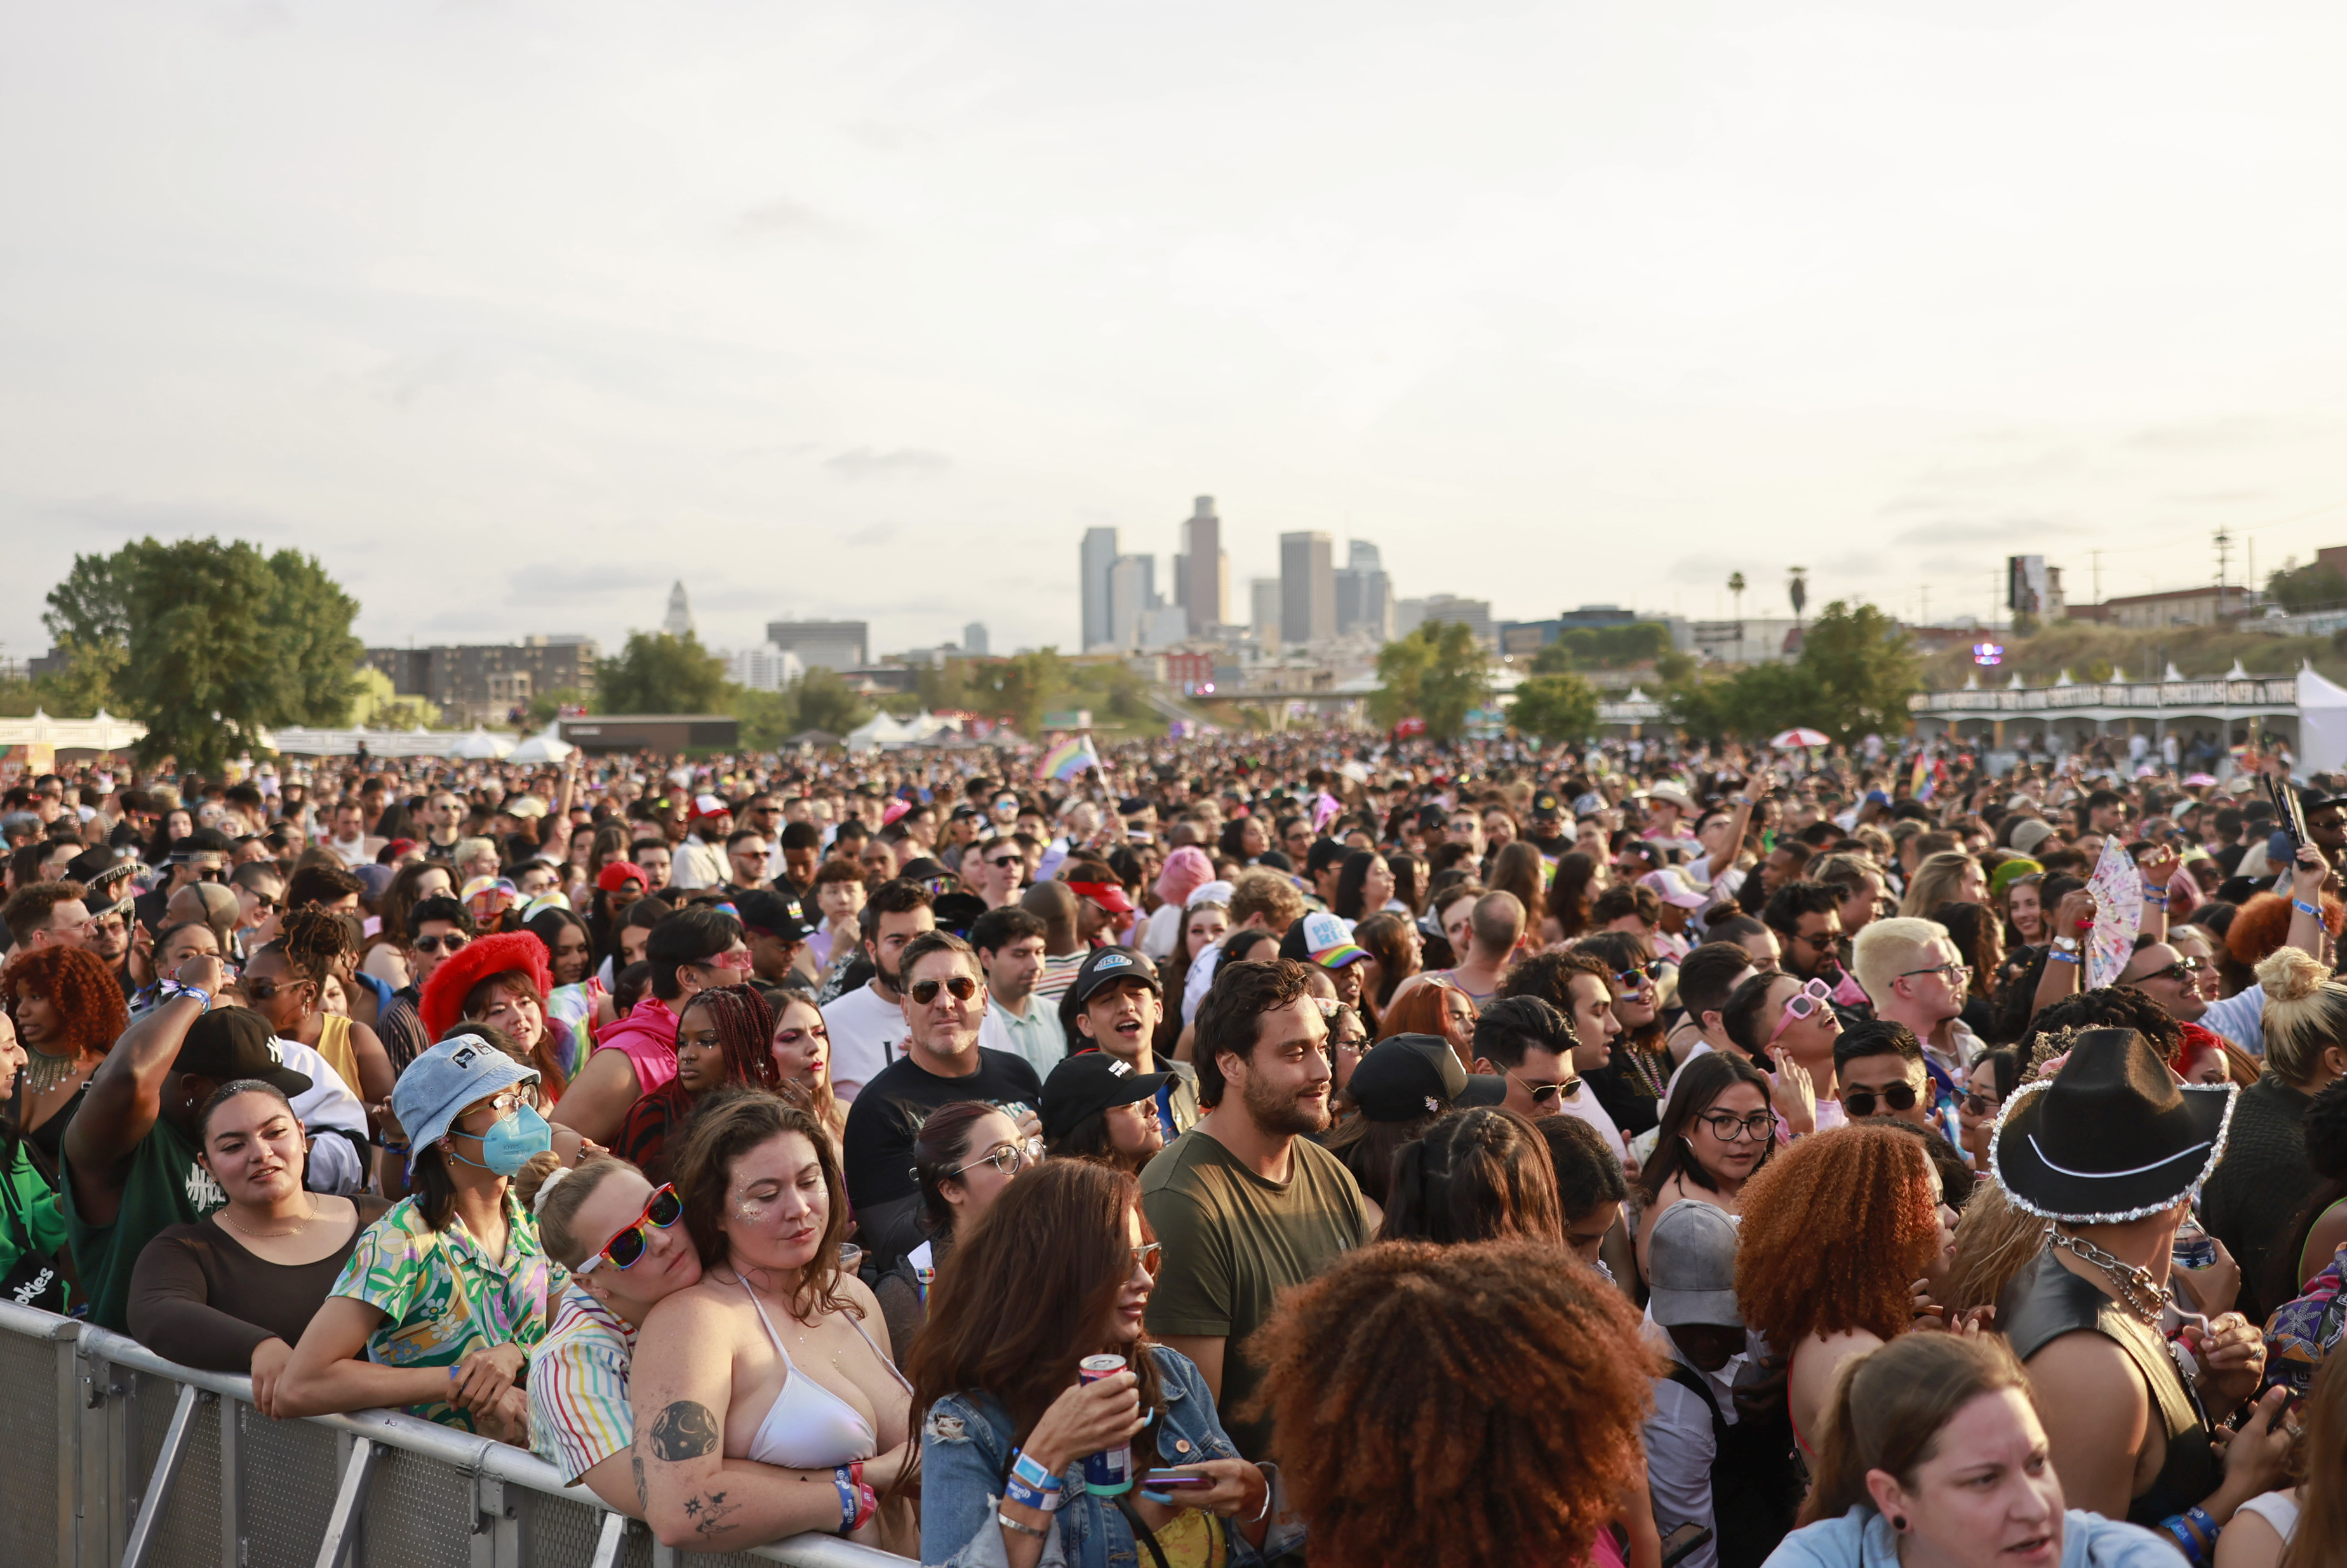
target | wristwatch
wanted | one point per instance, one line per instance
(2067, 943)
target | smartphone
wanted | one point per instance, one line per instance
(1161, 1480)
(1682, 1541)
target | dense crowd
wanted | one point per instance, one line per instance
(1239, 1151)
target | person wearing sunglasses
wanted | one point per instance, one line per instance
(1789, 1028)
(723, 1039)
(1991, 1082)
(1002, 1467)
(1915, 975)
(943, 1005)
(966, 1155)
(1879, 1072)
(1717, 1130)
(995, 870)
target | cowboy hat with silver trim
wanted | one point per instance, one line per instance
(2112, 1136)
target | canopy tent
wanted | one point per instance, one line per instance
(297, 741)
(2321, 724)
(881, 732)
(544, 746)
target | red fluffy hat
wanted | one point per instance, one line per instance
(443, 1004)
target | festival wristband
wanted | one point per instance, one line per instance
(1029, 1469)
(2058, 956)
(850, 1504)
(2303, 906)
(1017, 1490)
(171, 991)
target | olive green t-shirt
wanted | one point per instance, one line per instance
(164, 1187)
(1232, 1241)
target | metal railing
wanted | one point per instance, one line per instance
(117, 1456)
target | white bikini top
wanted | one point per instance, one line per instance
(808, 1426)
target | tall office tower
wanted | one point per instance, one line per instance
(678, 622)
(1262, 604)
(973, 639)
(1202, 572)
(1308, 587)
(1364, 593)
(1099, 559)
(1132, 595)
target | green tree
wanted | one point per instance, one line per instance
(1016, 689)
(821, 700)
(658, 673)
(2297, 587)
(87, 681)
(379, 706)
(1555, 707)
(1436, 673)
(768, 718)
(1864, 668)
(208, 644)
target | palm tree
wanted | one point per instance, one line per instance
(1736, 586)
(1799, 588)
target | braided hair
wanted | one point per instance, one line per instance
(745, 1028)
(311, 940)
(1482, 1174)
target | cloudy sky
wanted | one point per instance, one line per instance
(514, 313)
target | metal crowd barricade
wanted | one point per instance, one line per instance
(116, 1456)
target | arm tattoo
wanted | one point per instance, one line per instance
(686, 1429)
(709, 1515)
(636, 1462)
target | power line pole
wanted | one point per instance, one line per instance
(2098, 576)
(2224, 556)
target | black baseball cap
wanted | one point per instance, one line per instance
(1407, 1076)
(1107, 966)
(230, 1043)
(1545, 804)
(1133, 805)
(763, 909)
(1091, 1082)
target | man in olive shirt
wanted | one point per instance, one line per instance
(1245, 1203)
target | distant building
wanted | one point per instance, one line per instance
(1202, 573)
(1132, 595)
(1408, 616)
(483, 682)
(1364, 593)
(1475, 615)
(823, 645)
(2199, 607)
(973, 639)
(678, 622)
(1263, 609)
(1097, 560)
(767, 669)
(1308, 587)
(1755, 639)
(1599, 616)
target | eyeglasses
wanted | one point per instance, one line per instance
(1001, 862)
(499, 1107)
(625, 1249)
(1629, 978)
(451, 943)
(1353, 1043)
(1564, 1090)
(2181, 971)
(1980, 1105)
(961, 986)
(1822, 943)
(1728, 1127)
(1898, 1096)
(1008, 1158)
(267, 990)
(726, 961)
(938, 887)
(1803, 1003)
(1149, 1258)
(1956, 973)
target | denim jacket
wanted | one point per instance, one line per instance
(966, 1446)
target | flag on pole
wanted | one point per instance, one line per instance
(1068, 759)
(1922, 771)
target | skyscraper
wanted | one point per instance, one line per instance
(678, 622)
(1364, 593)
(1263, 604)
(973, 639)
(1098, 559)
(1308, 587)
(1132, 595)
(1202, 572)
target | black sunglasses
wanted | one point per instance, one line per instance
(1980, 1105)
(1898, 1096)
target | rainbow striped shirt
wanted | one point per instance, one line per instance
(578, 1414)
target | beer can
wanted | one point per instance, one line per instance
(2193, 1247)
(1109, 1471)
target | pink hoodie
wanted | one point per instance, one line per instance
(647, 1037)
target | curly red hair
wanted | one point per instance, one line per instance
(1836, 1231)
(441, 1007)
(81, 988)
(1449, 1406)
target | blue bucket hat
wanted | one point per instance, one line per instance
(438, 1084)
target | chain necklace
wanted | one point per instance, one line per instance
(273, 1235)
(2143, 1297)
(42, 1072)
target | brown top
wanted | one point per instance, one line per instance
(200, 1299)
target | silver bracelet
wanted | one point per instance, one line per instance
(1010, 1523)
(1270, 1474)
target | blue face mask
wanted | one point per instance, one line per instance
(508, 1146)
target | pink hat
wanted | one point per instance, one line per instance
(1185, 871)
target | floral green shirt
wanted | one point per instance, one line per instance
(441, 1297)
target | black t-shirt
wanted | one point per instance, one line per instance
(878, 1148)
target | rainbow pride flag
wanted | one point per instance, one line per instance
(1068, 759)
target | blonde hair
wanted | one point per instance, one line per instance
(1935, 882)
(1886, 949)
(2305, 1012)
